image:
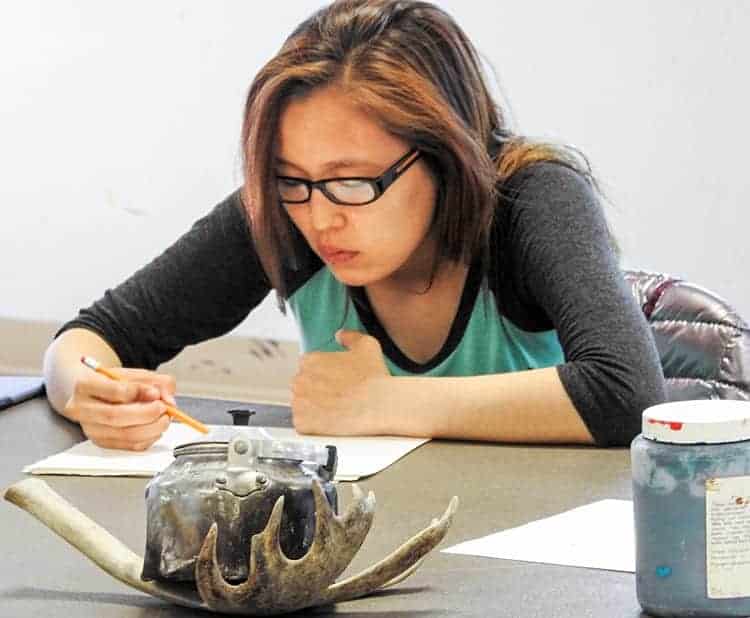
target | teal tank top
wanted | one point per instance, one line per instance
(489, 344)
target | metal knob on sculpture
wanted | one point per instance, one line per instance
(241, 416)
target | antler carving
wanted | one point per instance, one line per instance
(275, 583)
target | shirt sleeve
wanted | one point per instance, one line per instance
(567, 270)
(201, 287)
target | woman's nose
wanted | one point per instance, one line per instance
(324, 213)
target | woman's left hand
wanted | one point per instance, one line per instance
(333, 392)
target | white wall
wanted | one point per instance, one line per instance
(119, 125)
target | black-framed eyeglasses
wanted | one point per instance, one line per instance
(347, 191)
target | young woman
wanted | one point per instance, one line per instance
(450, 279)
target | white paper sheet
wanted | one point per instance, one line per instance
(357, 457)
(598, 536)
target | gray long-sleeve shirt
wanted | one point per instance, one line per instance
(552, 268)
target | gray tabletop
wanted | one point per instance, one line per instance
(499, 486)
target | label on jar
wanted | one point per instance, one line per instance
(728, 537)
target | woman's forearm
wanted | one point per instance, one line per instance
(62, 362)
(525, 406)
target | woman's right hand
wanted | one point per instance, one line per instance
(128, 414)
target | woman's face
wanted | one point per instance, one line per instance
(323, 135)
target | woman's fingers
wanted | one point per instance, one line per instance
(121, 414)
(148, 387)
(127, 413)
(169, 398)
(105, 389)
(165, 383)
(134, 437)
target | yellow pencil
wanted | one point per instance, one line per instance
(94, 364)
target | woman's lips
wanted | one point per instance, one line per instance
(331, 255)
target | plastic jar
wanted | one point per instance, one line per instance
(691, 499)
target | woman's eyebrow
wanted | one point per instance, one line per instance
(332, 166)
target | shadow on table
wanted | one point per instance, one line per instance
(43, 594)
(165, 609)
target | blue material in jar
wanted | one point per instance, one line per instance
(691, 499)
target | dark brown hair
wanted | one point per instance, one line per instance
(415, 71)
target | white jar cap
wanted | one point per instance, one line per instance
(698, 421)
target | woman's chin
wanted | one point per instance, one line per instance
(351, 277)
